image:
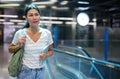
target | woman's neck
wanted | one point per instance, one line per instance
(34, 30)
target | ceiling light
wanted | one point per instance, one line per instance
(18, 26)
(60, 8)
(14, 20)
(56, 18)
(52, 22)
(10, 0)
(64, 2)
(46, 22)
(8, 23)
(83, 19)
(112, 9)
(50, 18)
(71, 23)
(9, 16)
(9, 5)
(2, 20)
(92, 23)
(53, 0)
(83, 2)
(21, 23)
(41, 6)
(33, 0)
(45, 2)
(83, 8)
(64, 18)
(94, 19)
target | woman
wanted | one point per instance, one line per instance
(36, 41)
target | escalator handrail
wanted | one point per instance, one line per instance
(87, 55)
(94, 60)
(76, 48)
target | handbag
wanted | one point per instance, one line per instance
(15, 64)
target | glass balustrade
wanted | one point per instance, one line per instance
(69, 65)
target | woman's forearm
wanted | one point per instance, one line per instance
(50, 51)
(13, 48)
(47, 54)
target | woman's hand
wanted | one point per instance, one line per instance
(43, 56)
(13, 48)
(47, 54)
(22, 40)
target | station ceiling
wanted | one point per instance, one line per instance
(100, 7)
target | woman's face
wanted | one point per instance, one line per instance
(33, 17)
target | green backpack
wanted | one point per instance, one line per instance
(15, 64)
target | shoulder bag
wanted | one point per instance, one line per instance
(15, 64)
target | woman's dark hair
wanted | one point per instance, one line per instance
(27, 8)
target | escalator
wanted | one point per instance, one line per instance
(69, 63)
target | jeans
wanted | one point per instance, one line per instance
(27, 73)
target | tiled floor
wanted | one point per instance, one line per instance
(4, 58)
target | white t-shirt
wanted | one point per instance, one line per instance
(33, 49)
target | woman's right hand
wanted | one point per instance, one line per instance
(22, 40)
(13, 48)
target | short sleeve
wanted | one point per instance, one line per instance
(50, 38)
(17, 36)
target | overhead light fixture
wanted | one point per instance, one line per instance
(73, 23)
(42, 3)
(41, 6)
(21, 23)
(10, 0)
(33, 0)
(7, 23)
(83, 8)
(47, 22)
(60, 8)
(50, 18)
(16, 26)
(15, 20)
(45, 2)
(9, 16)
(64, 2)
(56, 18)
(64, 18)
(83, 19)
(94, 19)
(92, 23)
(2, 20)
(112, 9)
(83, 2)
(52, 22)
(9, 5)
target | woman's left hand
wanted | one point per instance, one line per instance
(47, 54)
(43, 56)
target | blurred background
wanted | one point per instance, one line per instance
(100, 36)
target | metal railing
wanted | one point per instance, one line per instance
(94, 62)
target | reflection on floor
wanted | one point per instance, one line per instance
(4, 58)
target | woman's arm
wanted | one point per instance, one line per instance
(50, 51)
(47, 54)
(13, 48)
